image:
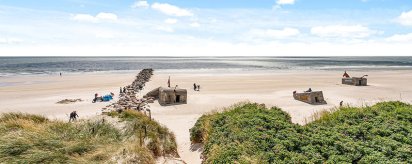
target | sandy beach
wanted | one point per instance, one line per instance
(39, 94)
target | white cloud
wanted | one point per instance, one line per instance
(98, 18)
(165, 29)
(104, 34)
(340, 31)
(106, 16)
(222, 32)
(84, 18)
(194, 24)
(400, 38)
(140, 4)
(172, 10)
(285, 2)
(207, 48)
(274, 33)
(171, 21)
(405, 18)
(10, 41)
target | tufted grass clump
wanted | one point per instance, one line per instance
(26, 138)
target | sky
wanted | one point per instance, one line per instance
(206, 28)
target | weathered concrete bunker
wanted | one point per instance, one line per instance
(169, 96)
(313, 97)
(356, 81)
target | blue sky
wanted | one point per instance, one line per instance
(72, 5)
(205, 27)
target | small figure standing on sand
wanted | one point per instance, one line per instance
(346, 75)
(174, 94)
(60, 74)
(73, 116)
(194, 86)
(198, 87)
(168, 82)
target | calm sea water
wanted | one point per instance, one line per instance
(10, 66)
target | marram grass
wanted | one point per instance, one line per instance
(26, 138)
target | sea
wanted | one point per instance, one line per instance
(18, 66)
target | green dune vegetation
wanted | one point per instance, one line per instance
(131, 138)
(251, 133)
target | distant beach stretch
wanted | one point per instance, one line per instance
(39, 94)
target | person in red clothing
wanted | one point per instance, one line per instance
(346, 75)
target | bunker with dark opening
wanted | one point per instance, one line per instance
(356, 81)
(313, 97)
(169, 96)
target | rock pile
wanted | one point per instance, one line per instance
(128, 98)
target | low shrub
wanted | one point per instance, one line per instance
(251, 133)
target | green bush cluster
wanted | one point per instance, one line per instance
(251, 133)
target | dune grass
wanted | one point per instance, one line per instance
(158, 139)
(251, 133)
(26, 138)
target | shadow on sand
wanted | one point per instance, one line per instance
(196, 147)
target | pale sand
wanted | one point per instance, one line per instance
(39, 95)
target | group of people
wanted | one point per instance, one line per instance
(136, 86)
(98, 98)
(196, 87)
(122, 90)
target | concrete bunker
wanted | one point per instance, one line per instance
(356, 81)
(311, 97)
(169, 96)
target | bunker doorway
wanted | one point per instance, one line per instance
(178, 98)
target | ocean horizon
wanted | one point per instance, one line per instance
(15, 66)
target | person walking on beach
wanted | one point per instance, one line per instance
(60, 74)
(194, 86)
(198, 87)
(73, 116)
(168, 82)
